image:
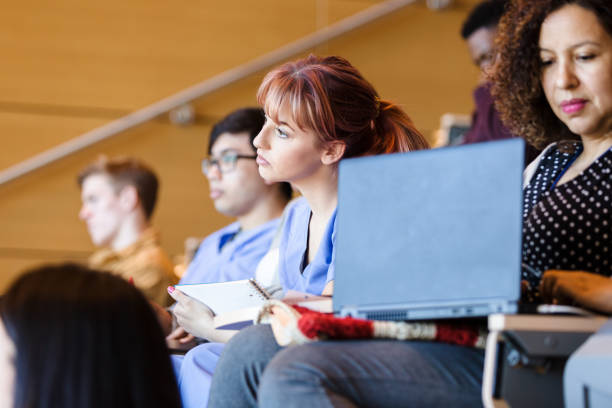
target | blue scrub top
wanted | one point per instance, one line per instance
(292, 250)
(194, 373)
(224, 256)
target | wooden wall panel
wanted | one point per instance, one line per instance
(86, 74)
(25, 134)
(127, 54)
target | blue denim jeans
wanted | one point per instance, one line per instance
(254, 371)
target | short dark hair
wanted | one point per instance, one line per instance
(85, 338)
(485, 14)
(517, 88)
(126, 171)
(249, 120)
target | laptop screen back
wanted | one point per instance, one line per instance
(430, 228)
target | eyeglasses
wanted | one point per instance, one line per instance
(226, 163)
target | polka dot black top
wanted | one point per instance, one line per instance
(568, 226)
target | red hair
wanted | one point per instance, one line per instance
(329, 96)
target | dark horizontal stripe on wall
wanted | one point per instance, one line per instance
(37, 253)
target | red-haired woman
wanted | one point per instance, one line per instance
(318, 111)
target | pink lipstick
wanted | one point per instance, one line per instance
(573, 105)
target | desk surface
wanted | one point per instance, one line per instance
(550, 323)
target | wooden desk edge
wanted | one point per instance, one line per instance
(551, 323)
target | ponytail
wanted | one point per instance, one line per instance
(329, 96)
(394, 131)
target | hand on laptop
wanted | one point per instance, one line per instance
(577, 288)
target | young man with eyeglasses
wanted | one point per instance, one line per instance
(237, 190)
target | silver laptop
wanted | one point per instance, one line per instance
(430, 234)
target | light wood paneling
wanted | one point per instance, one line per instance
(25, 134)
(70, 67)
(127, 54)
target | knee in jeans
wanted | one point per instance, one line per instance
(301, 364)
(244, 343)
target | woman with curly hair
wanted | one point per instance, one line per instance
(554, 83)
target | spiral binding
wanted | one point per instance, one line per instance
(262, 292)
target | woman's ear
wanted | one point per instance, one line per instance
(333, 152)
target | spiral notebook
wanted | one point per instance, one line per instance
(227, 296)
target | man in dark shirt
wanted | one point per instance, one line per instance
(479, 30)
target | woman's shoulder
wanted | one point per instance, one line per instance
(554, 154)
(561, 148)
(558, 154)
(296, 207)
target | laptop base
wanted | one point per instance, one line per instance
(397, 313)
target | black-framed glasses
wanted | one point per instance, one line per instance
(225, 163)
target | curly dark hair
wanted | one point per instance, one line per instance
(516, 81)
